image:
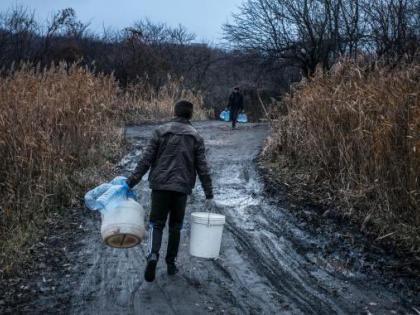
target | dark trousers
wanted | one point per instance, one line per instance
(166, 203)
(234, 116)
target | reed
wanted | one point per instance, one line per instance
(59, 128)
(351, 138)
(142, 102)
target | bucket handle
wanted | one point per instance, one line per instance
(209, 212)
(208, 216)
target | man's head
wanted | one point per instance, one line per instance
(236, 89)
(184, 109)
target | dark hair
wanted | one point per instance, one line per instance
(184, 109)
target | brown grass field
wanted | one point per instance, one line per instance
(352, 138)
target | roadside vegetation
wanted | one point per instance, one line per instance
(351, 141)
(348, 134)
(60, 130)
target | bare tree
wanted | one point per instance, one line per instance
(303, 32)
(18, 29)
(180, 35)
(63, 24)
(394, 29)
(308, 33)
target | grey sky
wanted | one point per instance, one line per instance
(202, 17)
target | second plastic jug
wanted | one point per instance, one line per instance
(123, 226)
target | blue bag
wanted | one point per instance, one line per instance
(108, 195)
(91, 197)
(242, 118)
(225, 115)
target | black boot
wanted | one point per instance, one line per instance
(150, 272)
(172, 269)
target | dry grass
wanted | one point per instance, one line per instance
(58, 127)
(353, 137)
(53, 124)
(142, 102)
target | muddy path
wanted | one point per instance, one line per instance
(269, 263)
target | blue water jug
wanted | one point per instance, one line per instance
(108, 195)
(113, 196)
(242, 118)
(225, 115)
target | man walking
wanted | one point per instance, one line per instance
(236, 105)
(175, 155)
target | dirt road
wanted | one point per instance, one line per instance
(269, 263)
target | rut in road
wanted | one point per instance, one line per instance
(268, 264)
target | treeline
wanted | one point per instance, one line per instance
(269, 44)
(311, 33)
(145, 52)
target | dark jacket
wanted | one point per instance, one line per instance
(175, 155)
(236, 102)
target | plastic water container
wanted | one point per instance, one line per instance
(225, 115)
(242, 118)
(123, 226)
(206, 234)
(112, 196)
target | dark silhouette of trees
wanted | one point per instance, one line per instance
(311, 33)
(18, 32)
(393, 28)
(145, 52)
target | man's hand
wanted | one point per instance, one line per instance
(210, 205)
(130, 183)
(130, 192)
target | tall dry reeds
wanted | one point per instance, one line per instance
(356, 133)
(57, 128)
(142, 102)
(53, 124)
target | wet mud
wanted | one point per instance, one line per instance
(270, 262)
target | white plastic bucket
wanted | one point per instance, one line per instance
(206, 234)
(123, 226)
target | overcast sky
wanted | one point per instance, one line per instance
(202, 17)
